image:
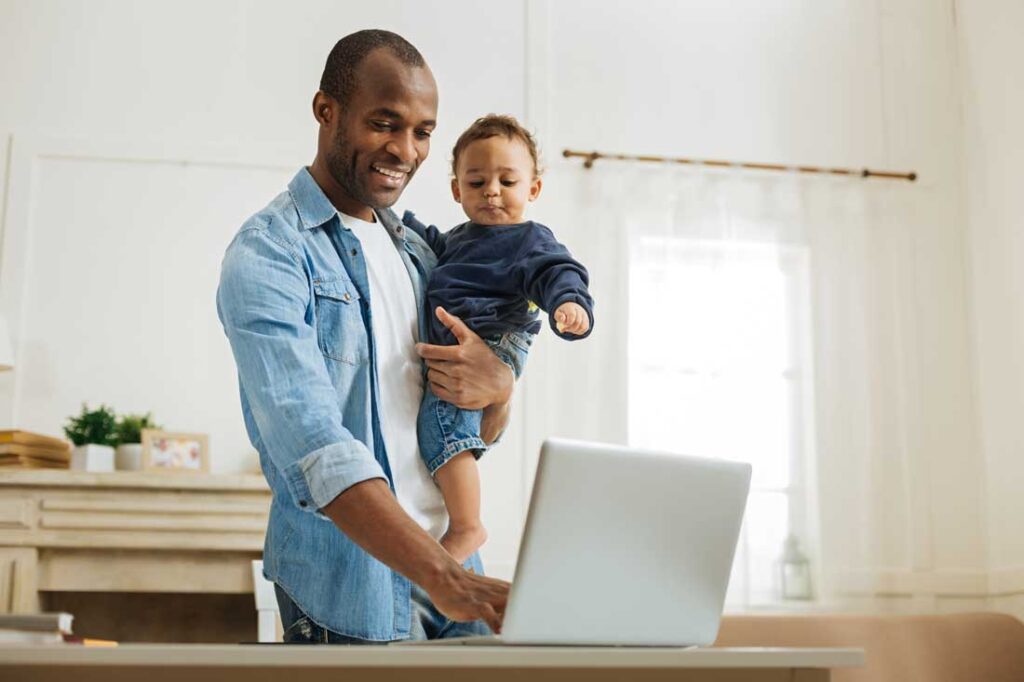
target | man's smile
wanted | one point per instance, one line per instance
(392, 178)
(391, 172)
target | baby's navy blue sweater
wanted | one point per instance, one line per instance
(487, 275)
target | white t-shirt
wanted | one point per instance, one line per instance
(399, 372)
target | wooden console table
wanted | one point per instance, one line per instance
(135, 556)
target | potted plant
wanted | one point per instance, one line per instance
(128, 436)
(92, 432)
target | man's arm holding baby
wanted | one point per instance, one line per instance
(466, 374)
(470, 376)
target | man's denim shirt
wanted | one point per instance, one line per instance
(294, 300)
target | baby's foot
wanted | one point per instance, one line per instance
(462, 541)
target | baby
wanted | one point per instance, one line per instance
(492, 272)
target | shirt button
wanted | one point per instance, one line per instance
(347, 297)
(303, 504)
(354, 252)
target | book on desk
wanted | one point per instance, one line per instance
(35, 628)
(28, 450)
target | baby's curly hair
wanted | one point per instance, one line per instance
(494, 125)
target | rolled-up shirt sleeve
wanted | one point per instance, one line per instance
(265, 305)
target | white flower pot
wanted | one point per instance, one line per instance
(96, 458)
(128, 457)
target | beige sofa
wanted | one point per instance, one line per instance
(967, 647)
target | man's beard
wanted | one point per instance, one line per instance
(342, 164)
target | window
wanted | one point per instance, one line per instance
(720, 366)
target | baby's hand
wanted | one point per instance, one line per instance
(571, 318)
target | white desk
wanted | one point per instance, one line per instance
(254, 663)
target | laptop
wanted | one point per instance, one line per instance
(623, 547)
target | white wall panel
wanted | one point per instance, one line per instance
(993, 107)
(119, 265)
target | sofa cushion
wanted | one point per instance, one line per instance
(934, 648)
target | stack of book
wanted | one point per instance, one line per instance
(35, 628)
(27, 450)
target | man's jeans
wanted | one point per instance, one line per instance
(427, 623)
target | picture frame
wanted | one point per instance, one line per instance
(170, 452)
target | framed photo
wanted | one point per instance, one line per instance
(175, 452)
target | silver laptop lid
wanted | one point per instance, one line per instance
(625, 546)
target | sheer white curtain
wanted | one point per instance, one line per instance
(771, 318)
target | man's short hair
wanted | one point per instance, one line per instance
(338, 79)
(495, 125)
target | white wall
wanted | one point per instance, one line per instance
(992, 70)
(163, 95)
(843, 83)
(137, 136)
(201, 110)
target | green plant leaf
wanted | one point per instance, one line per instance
(91, 426)
(129, 427)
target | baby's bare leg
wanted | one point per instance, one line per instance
(459, 482)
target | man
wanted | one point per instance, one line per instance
(319, 297)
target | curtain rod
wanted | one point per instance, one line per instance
(590, 157)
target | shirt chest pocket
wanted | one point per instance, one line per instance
(340, 331)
